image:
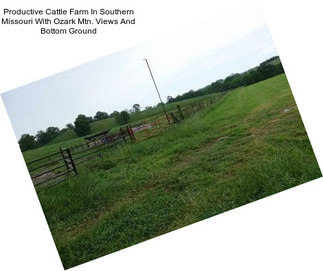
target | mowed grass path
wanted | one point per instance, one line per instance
(250, 145)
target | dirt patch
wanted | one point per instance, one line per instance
(274, 120)
(216, 139)
(300, 134)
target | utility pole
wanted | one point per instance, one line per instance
(152, 77)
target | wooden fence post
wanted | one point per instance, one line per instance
(174, 119)
(180, 112)
(130, 132)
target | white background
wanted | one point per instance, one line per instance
(281, 232)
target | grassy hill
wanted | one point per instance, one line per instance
(249, 146)
(95, 128)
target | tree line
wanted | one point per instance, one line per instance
(81, 127)
(264, 71)
(82, 123)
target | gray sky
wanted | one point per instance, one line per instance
(189, 59)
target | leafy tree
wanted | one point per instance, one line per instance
(27, 142)
(256, 76)
(279, 69)
(42, 137)
(125, 116)
(100, 116)
(70, 126)
(116, 116)
(252, 77)
(82, 125)
(136, 107)
(52, 132)
(122, 117)
(114, 113)
(169, 99)
(267, 70)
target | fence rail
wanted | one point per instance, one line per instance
(64, 162)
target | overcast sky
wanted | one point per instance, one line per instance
(188, 59)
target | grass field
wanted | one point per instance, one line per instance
(250, 145)
(69, 138)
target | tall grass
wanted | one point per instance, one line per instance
(249, 146)
(69, 138)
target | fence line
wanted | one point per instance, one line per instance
(64, 162)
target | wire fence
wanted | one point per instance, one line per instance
(63, 164)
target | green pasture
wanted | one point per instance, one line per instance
(249, 145)
(69, 138)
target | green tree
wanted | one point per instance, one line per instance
(114, 113)
(279, 69)
(122, 117)
(52, 132)
(267, 70)
(136, 107)
(70, 126)
(42, 137)
(27, 142)
(82, 125)
(169, 99)
(100, 116)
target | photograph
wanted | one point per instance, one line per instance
(161, 135)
